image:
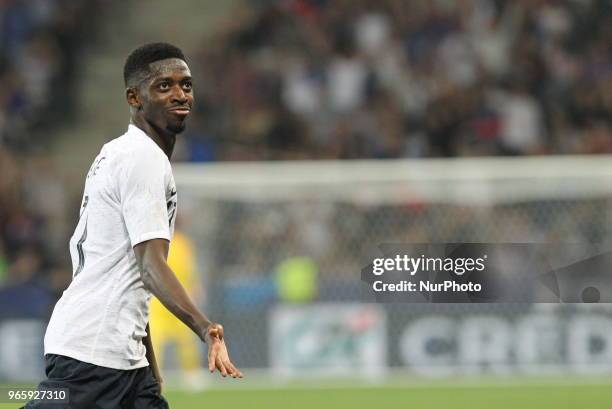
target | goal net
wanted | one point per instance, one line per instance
(281, 247)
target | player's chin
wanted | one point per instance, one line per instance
(177, 126)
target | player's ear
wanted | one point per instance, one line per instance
(131, 95)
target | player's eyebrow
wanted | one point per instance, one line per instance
(170, 79)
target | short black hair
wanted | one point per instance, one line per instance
(138, 61)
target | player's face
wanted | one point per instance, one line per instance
(168, 95)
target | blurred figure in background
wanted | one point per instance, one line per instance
(165, 328)
(296, 280)
(24, 294)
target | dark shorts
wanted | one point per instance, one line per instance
(95, 387)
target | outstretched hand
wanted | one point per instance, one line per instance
(218, 357)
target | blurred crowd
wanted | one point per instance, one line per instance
(34, 228)
(41, 42)
(344, 79)
(40, 45)
(311, 79)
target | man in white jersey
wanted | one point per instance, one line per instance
(98, 344)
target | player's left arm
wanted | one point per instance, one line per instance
(159, 278)
(148, 343)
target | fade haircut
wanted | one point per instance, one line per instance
(136, 66)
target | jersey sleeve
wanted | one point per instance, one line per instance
(142, 187)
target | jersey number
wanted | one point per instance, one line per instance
(82, 240)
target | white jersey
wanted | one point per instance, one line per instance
(129, 197)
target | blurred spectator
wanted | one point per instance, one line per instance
(3, 265)
(522, 128)
(23, 295)
(296, 280)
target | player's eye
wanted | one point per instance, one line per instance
(164, 86)
(187, 85)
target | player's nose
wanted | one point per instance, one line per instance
(179, 95)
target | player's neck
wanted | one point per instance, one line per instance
(163, 139)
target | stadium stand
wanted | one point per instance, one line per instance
(40, 44)
(390, 79)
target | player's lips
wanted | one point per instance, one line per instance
(180, 110)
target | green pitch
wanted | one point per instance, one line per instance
(426, 397)
(563, 394)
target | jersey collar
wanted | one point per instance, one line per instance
(134, 130)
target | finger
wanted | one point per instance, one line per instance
(221, 368)
(230, 371)
(212, 358)
(237, 372)
(234, 371)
